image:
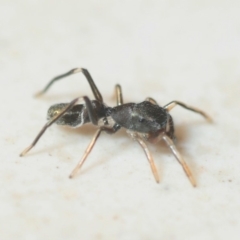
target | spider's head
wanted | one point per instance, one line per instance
(74, 117)
(54, 110)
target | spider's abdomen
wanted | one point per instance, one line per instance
(143, 117)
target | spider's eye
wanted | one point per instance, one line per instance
(55, 113)
(141, 119)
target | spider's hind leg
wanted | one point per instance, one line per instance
(85, 72)
(170, 128)
(172, 104)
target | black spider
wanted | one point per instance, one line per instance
(145, 121)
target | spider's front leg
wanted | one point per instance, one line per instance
(114, 129)
(85, 72)
(92, 116)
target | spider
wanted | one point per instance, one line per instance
(145, 121)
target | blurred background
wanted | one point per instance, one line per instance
(168, 50)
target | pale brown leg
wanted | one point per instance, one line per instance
(151, 100)
(48, 124)
(149, 157)
(87, 152)
(118, 91)
(172, 104)
(180, 159)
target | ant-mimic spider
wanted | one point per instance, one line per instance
(145, 121)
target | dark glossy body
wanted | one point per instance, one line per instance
(145, 117)
(143, 121)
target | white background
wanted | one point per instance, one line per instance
(169, 50)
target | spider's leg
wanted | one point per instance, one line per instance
(180, 159)
(151, 100)
(87, 152)
(91, 114)
(118, 91)
(112, 130)
(149, 157)
(91, 145)
(172, 104)
(94, 88)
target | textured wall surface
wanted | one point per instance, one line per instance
(169, 50)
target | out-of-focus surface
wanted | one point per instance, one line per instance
(169, 50)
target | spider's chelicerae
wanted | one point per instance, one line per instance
(145, 121)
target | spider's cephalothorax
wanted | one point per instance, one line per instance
(143, 121)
